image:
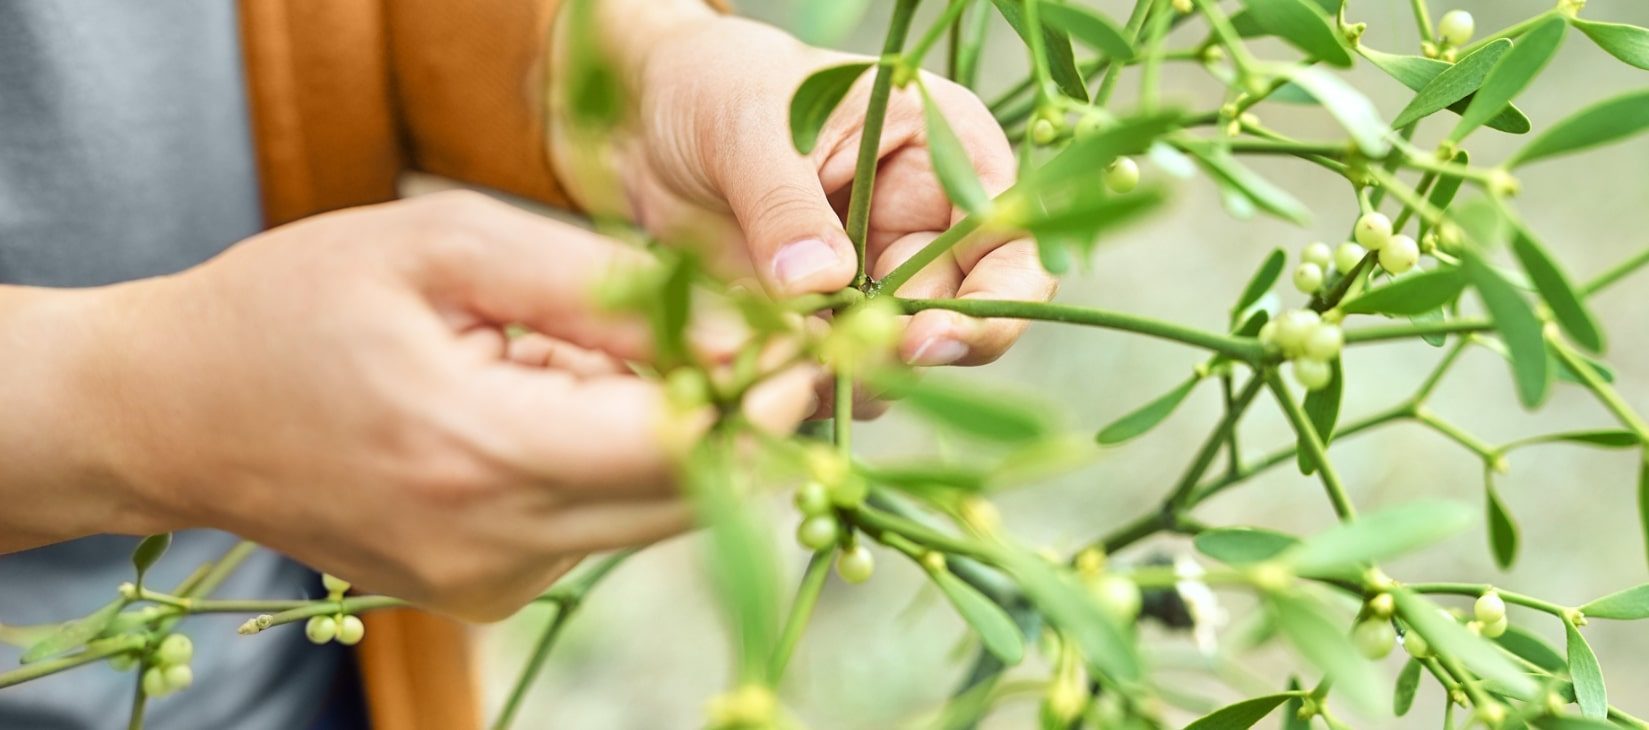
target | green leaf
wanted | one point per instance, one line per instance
(1089, 27)
(1146, 417)
(1442, 194)
(1408, 682)
(1083, 161)
(1322, 408)
(1502, 527)
(1607, 121)
(927, 477)
(1349, 107)
(1603, 438)
(970, 410)
(1304, 26)
(816, 98)
(1511, 75)
(1435, 339)
(1449, 637)
(951, 163)
(1243, 545)
(1524, 644)
(1076, 223)
(1261, 282)
(995, 628)
(1411, 295)
(1518, 326)
(827, 22)
(1643, 496)
(1567, 305)
(1379, 535)
(1628, 43)
(1456, 82)
(1233, 176)
(1417, 71)
(1240, 716)
(1104, 644)
(1323, 640)
(740, 557)
(148, 552)
(1057, 45)
(1587, 675)
(74, 634)
(1559, 722)
(1291, 710)
(1628, 605)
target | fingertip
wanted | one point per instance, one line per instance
(938, 337)
(780, 403)
(812, 265)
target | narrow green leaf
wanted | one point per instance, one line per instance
(1411, 295)
(1240, 716)
(1408, 682)
(1323, 640)
(1456, 82)
(1628, 43)
(1443, 192)
(1502, 527)
(1379, 535)
(740, 558)
(1243, 545)
(74, 634)
(970, 410)
(1348, 106)
(1587, 675)
(1417, 71)
(1322, 408)
(1605, 439)
(1518, 326)
(1261, 282)
(1146, 417)
(1104, 644)
(1089, 27)
(1303, 25)
(148, 552)
(1643, 496)
(1448, 636)
(1057, 45)
(1233, 176)
(1559, 722)
(1628, 605)
(1291, 710)
(1567, 305)
(1526, 645)
(951, 163)
(1077, 223)
(1435, 339)
(995, 628)
(1511, 75)
(927, 477)
(816, 98)
(1607, 121)
(1085, 158)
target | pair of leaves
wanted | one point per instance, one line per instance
(1607, 121)
(1519, 328)
(1416, 72)
(1511, 75)
(994, 626)
(968, 410)
(1455, 83)
(1628, 43)
(1412, 295)
(1303, 25)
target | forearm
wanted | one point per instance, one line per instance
(59, 473)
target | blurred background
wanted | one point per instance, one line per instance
(649, 646)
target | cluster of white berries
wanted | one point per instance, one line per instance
(1317, 261)
(346, 629)
(1489, 620)
(833, 486)
(1308, 342)
(1398, 253)
(169, 670)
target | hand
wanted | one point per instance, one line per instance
(708, 156)
(340, 389)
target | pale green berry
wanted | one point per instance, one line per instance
(813, 498)
(334, 585)
(1490, 607)
(1268, 335)
(1317, 253)
(1183, 7)
(1382, 605)
(175, 649)
(154, 682)
(1492, 714)
(1347, 256)
(350, 630)
(1118, 596)
(855, 564)
(321, 629)
(1374, 638)
(1324, 342)
(179, 677)
(1416, 645)
(1373, 230)
(1308, 278)
(1122, 175)
(817, 532)
(1312, 374)
(1400, 254)
(1494, 629)
(1456, 27)
(1043, 132)
(1293, 327)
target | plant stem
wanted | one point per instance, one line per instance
(1228, 37)
(801, 609)
(947, 21)
(877, 521)
(864, 173)
(1422, 20)
(1396, 413)
(1136, 22)
(928, 254)
(1381, 333)
(1282, 147)
(1242, 348)
(1478, 589)
(95, 651)
(140, 702)
(1178, 498)
(1604, 392)
(1313, 446)
(965, 69)
(1511, 31)
(1616, 273)
(355, 604)
(1487, 453)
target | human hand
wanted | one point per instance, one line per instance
(341, 390)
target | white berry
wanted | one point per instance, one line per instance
(1293, 327)
(1268, 335)
(1122, 175)
(1324, 342)
(1317, 253)
(1400, 254)
(1495, 629)
(817, 533)
(1308, 278)
(1373, 230)
(1347, 256)
(855, 564)
(1456, 27)
(1416, 645)
(1490, 607)
(321, 629)
(1312, 374)
(351, 630)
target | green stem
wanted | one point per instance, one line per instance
(95, 651)
(1487, 453)
(1241, 348)
(946, 21)
(140, 702)
(1422, 20)
(1228, 37)
(1382, 333)
(1512, 31)
(1616, 273)
(842, 414)
(1039, 52)
(1288, 453)
(1604, 392)
(352, 605)
(801, 610)
(878, 522)
(1313, 446)
(1178, 498)
(1152, 69)
(864, 173)
(1281, 147)
(928, 254)
(1478, 589)
(966, 68)
(1136, 22)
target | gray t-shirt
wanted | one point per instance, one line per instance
(125, 152)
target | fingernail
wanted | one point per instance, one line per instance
(799, 261)
(938, 351)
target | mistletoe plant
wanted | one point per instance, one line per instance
(1437, 252)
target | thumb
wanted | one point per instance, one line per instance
(796, 240)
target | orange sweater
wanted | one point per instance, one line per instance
(345, 96)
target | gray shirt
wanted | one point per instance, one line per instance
(125, 152)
